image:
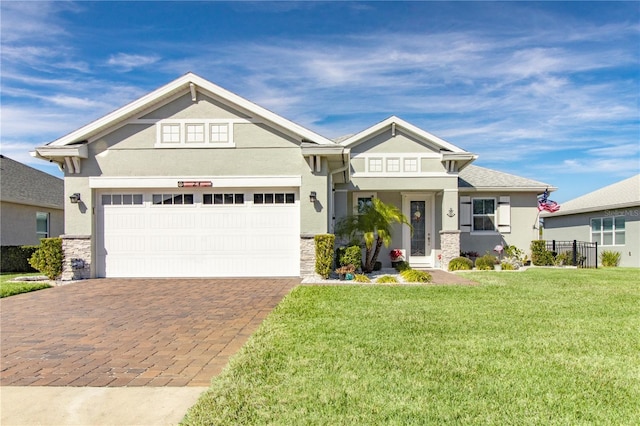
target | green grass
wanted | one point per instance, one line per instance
(8, 288)
(537, 347)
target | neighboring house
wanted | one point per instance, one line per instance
(609, 216)
(192, 180)
(31, 204)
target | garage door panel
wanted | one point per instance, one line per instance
(198, 240)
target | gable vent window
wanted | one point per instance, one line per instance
(194, 133)
(173, 199)
(209, 199)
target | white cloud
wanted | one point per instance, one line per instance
(127, 62)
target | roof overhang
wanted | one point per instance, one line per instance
(589, 209)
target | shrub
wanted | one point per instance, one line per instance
(351, 255)
(506, 266)
(387, 279)
(511, 264)
(610, 258)
(514, 253)
(402, 266)
(460, 264)
(48, 257)
(414, 276)
(361, 278)
(16, 258)
(540, 256)
(486, 262)
(324, 254)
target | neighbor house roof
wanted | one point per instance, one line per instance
(476, 178)
(625, 193)
(22, 184)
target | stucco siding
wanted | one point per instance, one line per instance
(386, 143)
(18, 224)
(184, 107)
(524, 213)
(398, 183)
(578, 227)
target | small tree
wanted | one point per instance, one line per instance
(48, 258)
(374, 227)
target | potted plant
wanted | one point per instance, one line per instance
(397, 256)
(346, 272)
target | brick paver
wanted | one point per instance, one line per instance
(131, 332)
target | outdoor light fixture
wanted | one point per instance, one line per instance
(75, 198)
(312, 197)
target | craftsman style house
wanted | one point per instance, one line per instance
(192, 180)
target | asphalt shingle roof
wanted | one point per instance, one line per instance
(25, 185)
(478, 177)
(625, 193)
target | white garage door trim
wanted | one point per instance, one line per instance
(198, 237)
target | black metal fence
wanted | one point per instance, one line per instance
(575, 253)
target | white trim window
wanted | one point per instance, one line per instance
(362, 200)
(219, 133)
(220, 198)
(608, 231)
(393, 165)
(42, 224)
(277, 198)
(483, 214)
(121, 199)
(374, 165)
(411, 165)
(195, 133)
(170, 133)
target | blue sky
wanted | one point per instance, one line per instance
(545, 90)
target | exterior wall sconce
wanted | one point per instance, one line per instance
(312, 197)
(75, 198)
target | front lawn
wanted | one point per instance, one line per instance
(538, 347)
(8, 288)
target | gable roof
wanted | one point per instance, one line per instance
(22, 184)
(192, 83)
(476, 178)
(392, 122)
(625, 193)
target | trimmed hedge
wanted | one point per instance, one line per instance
(16, 258)
(460, 264)
(540, 256)
(486, 262)
(48, 258)
(324, 254)
(351, 255)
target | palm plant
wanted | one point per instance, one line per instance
(373, 225)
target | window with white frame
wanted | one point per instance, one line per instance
(362, 201)
(277, 198)
(172, 199)
(219, 132)
(375, 165)
(393, 165)
(220, 198)
(608, 231)
(42, 225)
(195, 133)
(484, 214)
(170, 133)
(410, 165)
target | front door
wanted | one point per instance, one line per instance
(418, 209)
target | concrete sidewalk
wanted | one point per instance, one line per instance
(91, 406)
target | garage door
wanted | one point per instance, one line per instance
(168, 233)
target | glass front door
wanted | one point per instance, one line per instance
(418, 209)
(418, 221)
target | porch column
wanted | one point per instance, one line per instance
(450, 233)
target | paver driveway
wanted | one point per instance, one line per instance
(131, 332)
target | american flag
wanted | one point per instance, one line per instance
(544, 203)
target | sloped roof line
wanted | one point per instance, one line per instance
(183, 84)
(624, 193)
(481, 178)
(388, 122)
(22, 184)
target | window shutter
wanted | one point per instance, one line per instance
(465, 214)
(504, 214)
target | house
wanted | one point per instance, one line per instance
(31, 204)
(609, 216)
(192, 180)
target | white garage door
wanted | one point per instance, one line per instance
(168, 233)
